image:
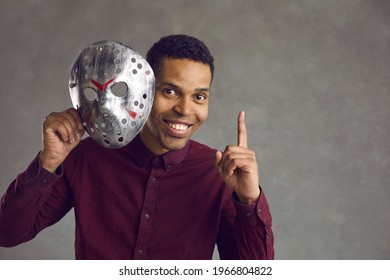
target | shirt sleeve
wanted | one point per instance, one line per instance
(31, 203)
(251, 227)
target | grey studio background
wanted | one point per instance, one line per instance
(313, 77)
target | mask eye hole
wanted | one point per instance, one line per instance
(119, 89)
(90, 94)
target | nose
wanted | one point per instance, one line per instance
(183, 106)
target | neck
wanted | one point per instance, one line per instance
(150, 141)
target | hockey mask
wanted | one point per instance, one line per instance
(112, 88)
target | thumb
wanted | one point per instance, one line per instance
(217, 158)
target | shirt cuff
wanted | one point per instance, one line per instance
(36, 177)
(252, 214)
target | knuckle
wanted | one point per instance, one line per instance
(68, 114)
(229, 148)
(50, 119)
(50, 116)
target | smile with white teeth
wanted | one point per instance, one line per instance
(178, 126)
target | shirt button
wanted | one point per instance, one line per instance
(146, 216)
(44, 180)
(140, 252)
(259, 210)
(248, 214)
(267, 236)
(169, 167)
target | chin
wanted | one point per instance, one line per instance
(174, 145)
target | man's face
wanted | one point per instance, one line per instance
(180, 105)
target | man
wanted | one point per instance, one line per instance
(163, 196)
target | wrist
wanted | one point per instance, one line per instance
(47, 164)
(251, 199)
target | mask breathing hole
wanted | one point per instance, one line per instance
(120, 139)
(90, 94)
(119, 89)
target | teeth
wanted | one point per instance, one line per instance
(178, 126)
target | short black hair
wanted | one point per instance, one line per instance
(179, 47)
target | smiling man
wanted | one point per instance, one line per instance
(163, 195)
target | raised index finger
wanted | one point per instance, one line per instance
(241, 131)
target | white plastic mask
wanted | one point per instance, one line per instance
(112, 87)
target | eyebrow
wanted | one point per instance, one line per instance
(201, 89)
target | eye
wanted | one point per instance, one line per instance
(169, 91)
(200, 98)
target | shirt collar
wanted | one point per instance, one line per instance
(145, 158)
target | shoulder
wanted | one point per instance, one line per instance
(199, 153)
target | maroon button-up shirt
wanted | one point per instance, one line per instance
(131, 204)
